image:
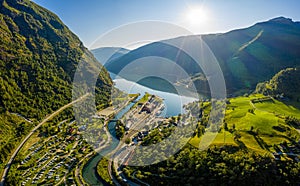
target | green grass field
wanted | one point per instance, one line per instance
(267, 115)
(102, 170)
(280, 108)
(219, 140)
(143, 100)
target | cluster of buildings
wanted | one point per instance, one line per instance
(51, 161)
(140, 136)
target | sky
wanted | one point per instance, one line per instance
(94, 19)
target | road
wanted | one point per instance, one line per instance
(7, 167)
(144, 183)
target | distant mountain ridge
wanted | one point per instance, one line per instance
(246, 56)
(105, 54)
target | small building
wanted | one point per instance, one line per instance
(128, 124)
(146, 109)
(276, 156)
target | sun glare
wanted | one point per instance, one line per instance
(196, 16)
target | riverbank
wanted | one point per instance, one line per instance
(89, 171)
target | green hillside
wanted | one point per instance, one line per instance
(284, 85)
(261, 122)
(38, 59)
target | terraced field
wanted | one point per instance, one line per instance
(259, 121)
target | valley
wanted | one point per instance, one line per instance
(181, 109)
(60, 158)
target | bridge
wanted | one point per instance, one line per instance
(114, 120)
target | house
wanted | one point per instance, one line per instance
(146, 109)
(71, 130)
(276, 156)
(151, 98)
(128, 124)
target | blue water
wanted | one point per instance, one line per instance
(173, 102)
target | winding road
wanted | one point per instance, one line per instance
(7, 167)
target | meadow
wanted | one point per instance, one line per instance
(255, 123)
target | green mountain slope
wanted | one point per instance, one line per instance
(38, 59)
(247, 56)
(285, 84)
(257, 53)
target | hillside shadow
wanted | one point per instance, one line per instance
(241, 144)
(279, 128)
(294, 104)
(261, 142)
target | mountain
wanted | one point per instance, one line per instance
(285, 84)
(105, 54)
(246, 56)
(38, 59)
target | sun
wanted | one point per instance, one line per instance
(196, 16)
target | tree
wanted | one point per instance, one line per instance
(127, 141)
(20, 129)
(251, 110)
(251, 128)
(179, 117)
(257, 131)
(120, 129)
(225, 126)
(237, 136)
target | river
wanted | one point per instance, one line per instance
(89, 172)
(173, 106)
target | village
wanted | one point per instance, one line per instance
(144, 113)
(142, 117)
(52, 160)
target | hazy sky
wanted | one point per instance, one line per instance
(91, 18)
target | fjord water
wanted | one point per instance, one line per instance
(173, 102)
